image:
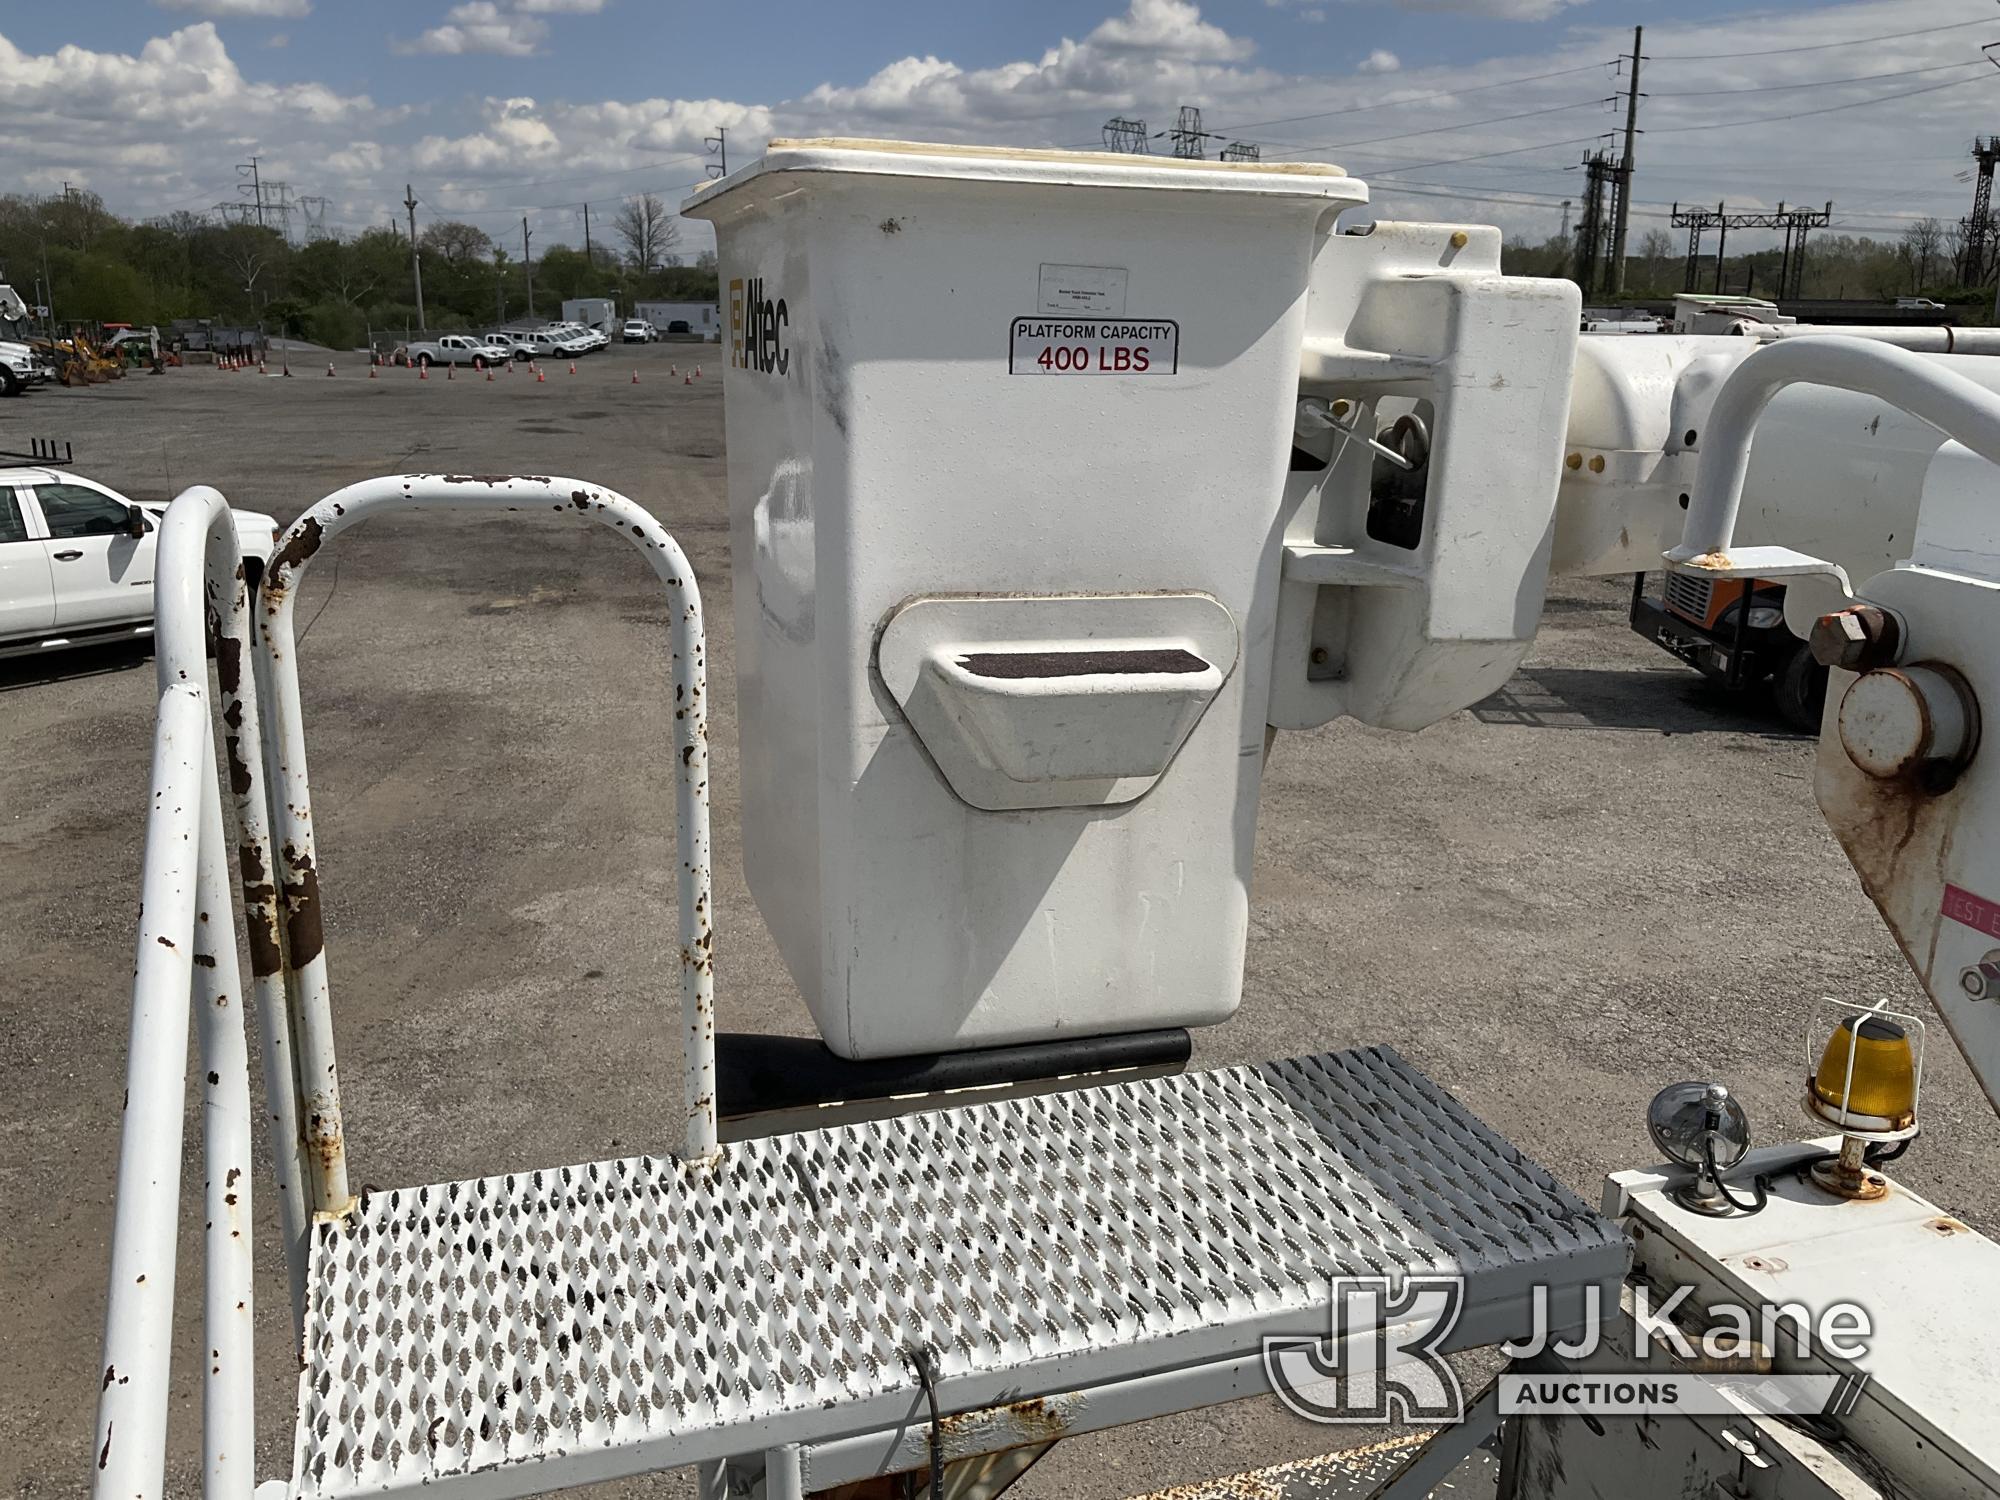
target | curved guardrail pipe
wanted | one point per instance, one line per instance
(297, 859)
(186, 950)
(1928, 390)
(200, 593)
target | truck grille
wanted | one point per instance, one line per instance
(1689, 596)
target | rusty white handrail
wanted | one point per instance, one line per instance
(306, 977)
(1932, 392)
(186, 954)
(187, 961)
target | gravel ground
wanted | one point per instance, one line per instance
(1603, 878)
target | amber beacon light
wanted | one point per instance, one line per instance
(1865, 1083)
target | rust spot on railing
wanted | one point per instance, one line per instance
(304, 936)
(295, 553)
(229, 663)
(260, 915)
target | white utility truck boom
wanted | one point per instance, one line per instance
(1003, 723)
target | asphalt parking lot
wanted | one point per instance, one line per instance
(1604, 878)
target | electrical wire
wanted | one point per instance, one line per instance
(1808, 113)
(1814, 83)
(587, 176)
(1760, 1185)
(1452, 161)
(1355, 109)
(919, 1357)
(1859, 41)
(1553, 109)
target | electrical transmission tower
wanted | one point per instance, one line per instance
(1980, 236)
(1596, 223)
(1795, 222)
(1125, 135)
(1187, 134)
(313, 211)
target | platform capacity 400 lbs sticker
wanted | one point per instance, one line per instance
(1094, 346)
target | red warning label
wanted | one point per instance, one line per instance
(1973, 911)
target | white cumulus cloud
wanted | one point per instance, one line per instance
(481, 26)
(1496, 139)
(225, 10)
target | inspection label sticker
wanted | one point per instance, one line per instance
(1094, 346)
(1085, 291)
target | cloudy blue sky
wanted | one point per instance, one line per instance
(1450, 108)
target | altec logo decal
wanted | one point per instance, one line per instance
(758, 329)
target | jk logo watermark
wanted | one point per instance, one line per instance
(1379, 1361)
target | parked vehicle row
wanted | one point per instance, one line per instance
(76, 560)
(479, 350)
(476, 350)
(554, 340)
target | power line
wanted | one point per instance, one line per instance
(1354, 109)
(1815, 83)
(1452, 161)
(585, 177)
(1859, 41)
(1824, 110)
(1406, 135)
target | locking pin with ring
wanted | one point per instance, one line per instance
(1337, 416)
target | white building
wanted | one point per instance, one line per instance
(703, 319)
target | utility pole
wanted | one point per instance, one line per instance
(718, 145)
(416, 265)
(527, 265)
(1625, 171)
(588, 258)
(256, 187)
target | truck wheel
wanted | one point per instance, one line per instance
(10, 383)
(1799, 691)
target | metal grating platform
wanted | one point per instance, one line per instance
(528, 1332)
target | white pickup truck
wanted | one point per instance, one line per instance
(458, 349)
(20, 367)
(76, 560)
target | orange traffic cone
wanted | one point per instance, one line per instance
(371, 371)
(489, 377)
(687, 380)
(697, 372)
(673, 369)
(572, 367)
(635, 376)
(261, 370)
(423, 372)
(540, 378)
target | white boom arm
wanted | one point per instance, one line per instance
(1899, 777)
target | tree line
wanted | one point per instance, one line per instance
(97, 267)
(1925, 261)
